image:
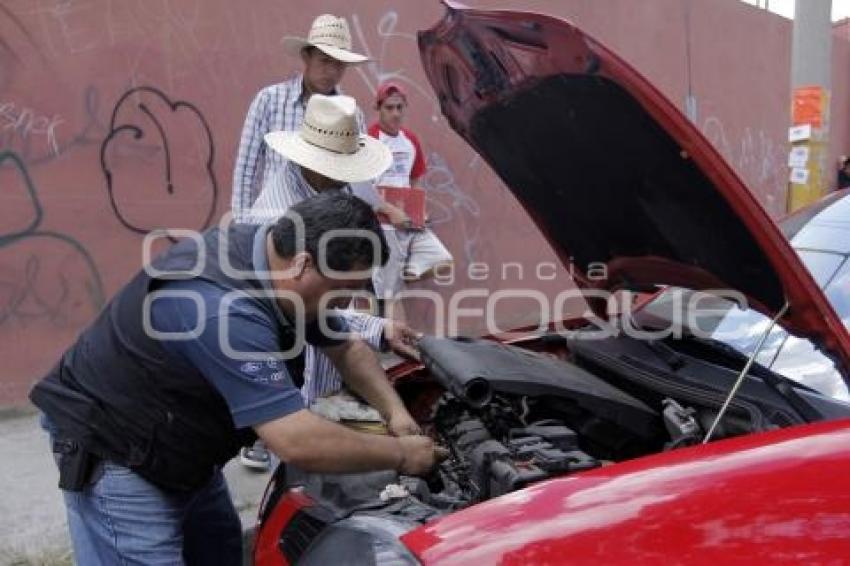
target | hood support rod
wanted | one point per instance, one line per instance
(744, 372)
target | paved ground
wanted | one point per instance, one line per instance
(32, 517)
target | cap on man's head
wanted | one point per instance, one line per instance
(388, 89)
(330, 35)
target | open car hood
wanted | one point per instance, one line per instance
(611, 171)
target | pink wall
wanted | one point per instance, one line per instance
(65, 68)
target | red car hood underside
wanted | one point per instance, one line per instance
(610, 170)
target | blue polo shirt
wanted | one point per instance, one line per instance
(256, 391)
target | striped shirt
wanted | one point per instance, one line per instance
(287, 188)
(278, 107)
(320, 375)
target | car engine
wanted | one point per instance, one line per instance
(509, 418)
(493, 452)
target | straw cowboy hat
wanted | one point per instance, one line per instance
(329, 142)
(329, 34)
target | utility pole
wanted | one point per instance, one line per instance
(811, 77)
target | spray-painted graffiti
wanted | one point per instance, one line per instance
(183, 192)
(28, 124)
(38, 139)
(377, 70)
(756, 157)
(44, 274)
(449, 204)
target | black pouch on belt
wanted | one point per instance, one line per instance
(76, 464)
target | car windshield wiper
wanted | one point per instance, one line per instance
(784, 386)
(725, 349)
(674, 359)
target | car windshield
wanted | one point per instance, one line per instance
(796, 358)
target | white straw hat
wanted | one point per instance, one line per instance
(329, 34)
(329, 142)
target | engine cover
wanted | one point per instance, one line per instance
(473, 370)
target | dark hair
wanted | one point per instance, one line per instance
(332, 210)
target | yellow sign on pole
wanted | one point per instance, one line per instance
(810, 173)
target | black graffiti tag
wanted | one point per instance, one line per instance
(53, 276)
(143, 200)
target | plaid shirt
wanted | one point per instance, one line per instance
(278, 107)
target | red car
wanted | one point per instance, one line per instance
(697, 427)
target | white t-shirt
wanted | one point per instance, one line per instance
(408, 161)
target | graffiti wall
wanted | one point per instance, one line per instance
(121, 116)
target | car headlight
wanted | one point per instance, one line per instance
(360, 541)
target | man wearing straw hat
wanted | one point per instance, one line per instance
(328, 152)
(326, 53)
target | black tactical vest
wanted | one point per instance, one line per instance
(120, 395)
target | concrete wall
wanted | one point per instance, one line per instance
(840, 107)
(117, 117)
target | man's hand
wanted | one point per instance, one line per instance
(364, 376)
(419, 454)
(336, 449)
(402, 339)
(397, 216)
(401, 423)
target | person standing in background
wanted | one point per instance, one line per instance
(326, 53)
(843, 180)
(415, 251)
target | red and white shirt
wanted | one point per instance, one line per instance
(408, 159)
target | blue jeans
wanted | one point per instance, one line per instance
(122, 518)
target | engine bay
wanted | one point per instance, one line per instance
(514, 415)
(511, 417)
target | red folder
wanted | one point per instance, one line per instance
(411, 201)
